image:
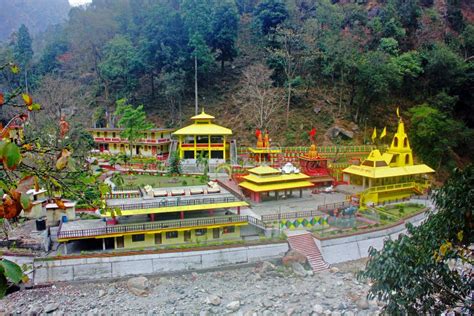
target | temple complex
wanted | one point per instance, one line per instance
(389, 176)
(154, 143)
(203, 138)
(264, 180)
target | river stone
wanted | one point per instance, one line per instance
(362, 303)
(139, 286)
(51, 308)
(213, 300)
(318, 309)
(233, 306)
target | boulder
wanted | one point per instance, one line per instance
(298, 269)
(362, 303)
(139, 286)
(318, 309)
(337, 131)
(213, 300)
(233, 306)
(293, 256)
(51, 308)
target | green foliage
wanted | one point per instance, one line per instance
(269, 14)
(434, 135)
(133, 120)
(415, 274)
(9, 272)
(23, 51)
(225, 26)
(174, 164)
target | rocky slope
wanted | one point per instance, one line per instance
(261, 290)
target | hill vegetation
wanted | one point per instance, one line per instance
(285, 66)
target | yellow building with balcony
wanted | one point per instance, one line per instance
(154, 143)
(203, 137)
(389, 176)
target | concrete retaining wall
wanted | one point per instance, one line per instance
(355, 247)
(118, 266)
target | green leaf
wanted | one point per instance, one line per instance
(12, 271)
(3, 285)
(11, 155)
(35, 107)
(25, 201)
(14, 68)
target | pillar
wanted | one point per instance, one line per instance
(181, 215)
(276, 195)
(103, 243)
(65, 248)
(209, 147)
(238, 210)
(180, 149)
(211, 212)
(257, 197)
(195, 147)
(301, 193)
(223, 152)
(152, 217)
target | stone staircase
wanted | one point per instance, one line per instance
(304, 244)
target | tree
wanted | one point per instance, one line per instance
(133, 120)
(23, 51)
(120, 65)
(258, 100)
(428, 270)
(435, 135)
(174, 166)
(173, 82)
(269, 14)
(287, 55)
(225, 23)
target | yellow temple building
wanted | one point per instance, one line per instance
(263, 180)
(388, 176)
(203, 137)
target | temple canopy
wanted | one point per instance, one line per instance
(203, 126)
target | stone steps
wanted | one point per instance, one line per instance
(304, 244)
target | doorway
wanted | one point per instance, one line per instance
(215, 233)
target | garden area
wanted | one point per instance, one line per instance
(160, 181)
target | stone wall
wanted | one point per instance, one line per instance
(357, 246)
(117, 266)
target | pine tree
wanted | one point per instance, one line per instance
(23, 51)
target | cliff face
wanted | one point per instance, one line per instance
(37, 15)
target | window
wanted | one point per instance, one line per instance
(368, 163)
(228, 230)
(113, 134)
(138, 238)
(201, 232)
(405, 142)
(187, 235)
(395, 142)
(380, 164)
(171, 235)
(407, 159)
(158, 239)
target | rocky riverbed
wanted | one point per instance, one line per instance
(261, 290)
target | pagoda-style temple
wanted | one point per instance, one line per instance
(264, 180)
(203, 137)
(388, 176)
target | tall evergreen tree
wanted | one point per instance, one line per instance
(224, 31)
(23, 51)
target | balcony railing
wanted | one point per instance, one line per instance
(177, 202)
(124, 140)
(154, 226)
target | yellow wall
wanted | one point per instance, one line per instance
(150, 238)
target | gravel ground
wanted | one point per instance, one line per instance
(261, 290)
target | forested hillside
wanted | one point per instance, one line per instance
(285, 66)
(37, 15)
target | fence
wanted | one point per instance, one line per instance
(177, 202)
(305, 214)
(127, 228)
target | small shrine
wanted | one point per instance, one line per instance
(263, 152)
(264, 180)
(315, 166)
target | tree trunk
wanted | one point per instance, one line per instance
(152, 77)
(222, 66)
(288, 103)
(196, 105)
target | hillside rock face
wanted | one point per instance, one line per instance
(37, 15)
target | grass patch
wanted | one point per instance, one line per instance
(159, 181)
